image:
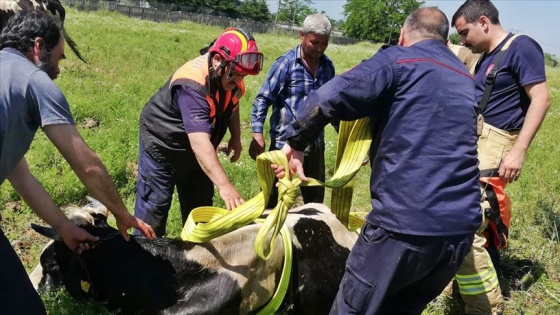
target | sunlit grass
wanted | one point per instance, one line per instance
(129, 59)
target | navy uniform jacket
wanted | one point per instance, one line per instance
(421, 99)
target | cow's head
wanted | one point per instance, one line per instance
(93, 218)
(120, 272)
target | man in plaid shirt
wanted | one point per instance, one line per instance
(288, 82)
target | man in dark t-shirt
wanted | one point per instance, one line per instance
(513, 114)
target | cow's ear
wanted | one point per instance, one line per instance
(95, 206)
(46, 231)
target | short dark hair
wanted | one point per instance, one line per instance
(472, 10)
(428, 22)
(25, 26)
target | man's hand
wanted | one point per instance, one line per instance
(295, 162)
(234, 145)
(129, 221)
(512, 163)
(77, 239)
(230, 196)
(257, 145)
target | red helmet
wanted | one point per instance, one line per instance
(239, 48)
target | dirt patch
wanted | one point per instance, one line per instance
(132, 169)
(90, 123)
(222, 147)
(14, 206)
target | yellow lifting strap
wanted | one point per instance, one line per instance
(278, 297)
(206, 223)
(341, 197)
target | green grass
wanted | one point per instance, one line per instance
(129, 59)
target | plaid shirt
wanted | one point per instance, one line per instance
(286, 86)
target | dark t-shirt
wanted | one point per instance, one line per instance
(194, 110)
(521, 65)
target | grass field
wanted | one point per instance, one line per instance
(129, 59)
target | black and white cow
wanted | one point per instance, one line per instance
(222, 276)
(51, 7)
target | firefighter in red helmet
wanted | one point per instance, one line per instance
(182, 125)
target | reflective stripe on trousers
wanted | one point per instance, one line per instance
(477, 278)
(478, 281)
(485, 277)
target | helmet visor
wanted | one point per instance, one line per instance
(249, 62)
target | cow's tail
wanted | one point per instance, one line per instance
(72, 45)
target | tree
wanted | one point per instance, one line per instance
(294, 11)
(226, 6)
(255, 9)
(455, 39)
(550, 60)
(377, 20)
(337, 24)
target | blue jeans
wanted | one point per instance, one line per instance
(390, 273)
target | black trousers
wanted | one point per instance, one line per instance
(313, 166)
(390, 273)
(17, 295)
(155, 186)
